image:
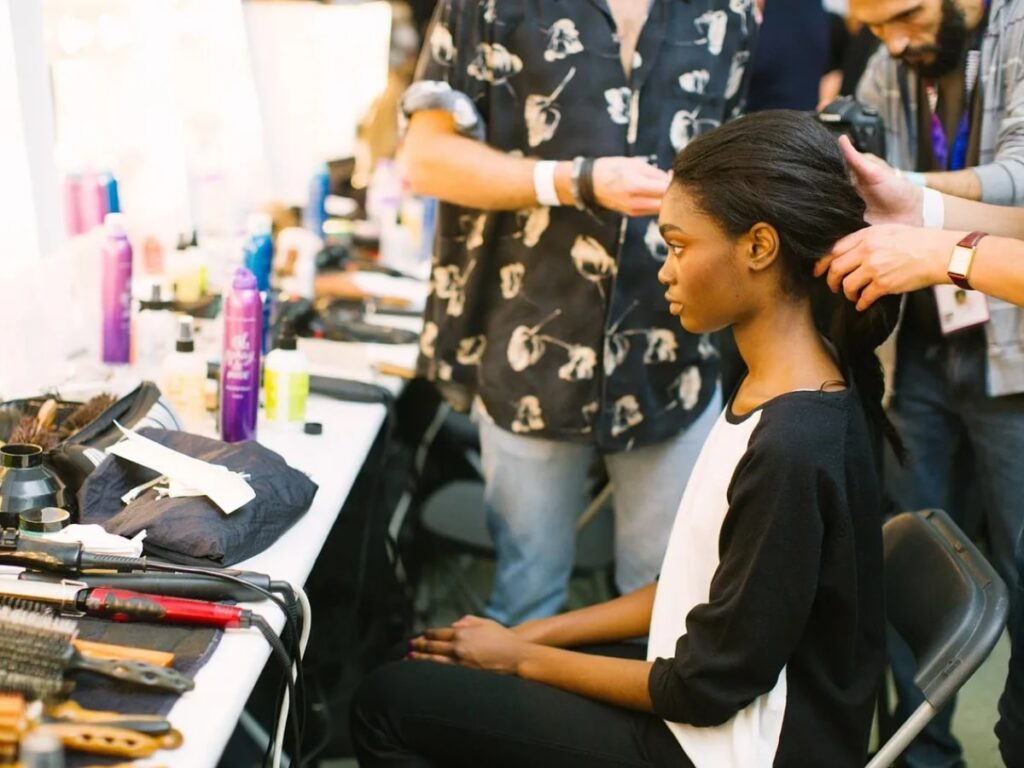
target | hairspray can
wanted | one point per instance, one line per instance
(240, 359)
(117, 292)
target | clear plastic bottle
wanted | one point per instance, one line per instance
(183, 380)
(286, 382)
(156, 327)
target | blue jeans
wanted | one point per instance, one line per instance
(1010, 728)
(536, 489)
(941, 430)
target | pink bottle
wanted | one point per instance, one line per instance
(73, 204)
(93, 196)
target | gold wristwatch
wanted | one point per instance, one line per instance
(959, 269)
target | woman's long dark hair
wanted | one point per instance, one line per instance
(784, 169)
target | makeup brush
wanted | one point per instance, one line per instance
(37, 651)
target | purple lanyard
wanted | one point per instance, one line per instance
(957, 159)
(940, 147)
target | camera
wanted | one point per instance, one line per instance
(863, 124)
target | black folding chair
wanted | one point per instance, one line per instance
(947, 602)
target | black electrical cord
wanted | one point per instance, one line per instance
(286, 660)
(296, 651)
(297, 688)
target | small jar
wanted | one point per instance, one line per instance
(39, 522)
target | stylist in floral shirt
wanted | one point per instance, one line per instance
(544, 129)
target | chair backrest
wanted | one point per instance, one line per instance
(943, 597)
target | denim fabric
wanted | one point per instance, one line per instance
(942, 430)
(536, 491)
(1010, 728)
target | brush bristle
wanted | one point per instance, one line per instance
(27, 431)
(35, 649)
(25, 604)
(87, 412)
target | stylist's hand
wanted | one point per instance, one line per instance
(629, 185)
(890, 198)
(887, 259)
(472, 642)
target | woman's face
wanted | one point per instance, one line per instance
(703, 275)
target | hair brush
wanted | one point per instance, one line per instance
(38, 651)
(87, 647)
(17, 718)
(86, 413)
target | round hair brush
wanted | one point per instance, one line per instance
(36, 651)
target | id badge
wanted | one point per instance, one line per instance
(960, 309)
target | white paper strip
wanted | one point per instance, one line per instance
(228, 490)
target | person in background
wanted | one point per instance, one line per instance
(791, 56)
(545, 129)
(766, 626)
(898, 255)
(949, 85)
(788, 63)
(851, 46)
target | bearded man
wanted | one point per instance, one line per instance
(949, 83)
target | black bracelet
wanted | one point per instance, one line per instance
(587, 184)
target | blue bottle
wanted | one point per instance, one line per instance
(319, 188)
(259, 259)
(109, 184)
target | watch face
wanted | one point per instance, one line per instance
(960, 261)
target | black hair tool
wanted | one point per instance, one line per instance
(190, 585)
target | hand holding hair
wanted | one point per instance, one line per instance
(890, 198)
(885, 260)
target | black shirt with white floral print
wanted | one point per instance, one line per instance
(554, 316)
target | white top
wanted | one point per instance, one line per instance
(750, 739)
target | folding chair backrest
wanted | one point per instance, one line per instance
(943, 597)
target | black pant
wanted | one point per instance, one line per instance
(419, 714)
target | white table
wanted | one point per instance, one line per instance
(207, 715)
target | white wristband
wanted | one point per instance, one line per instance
(933, 209)
(544, 182)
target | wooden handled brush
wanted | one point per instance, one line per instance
(38, 651)
(95, 738)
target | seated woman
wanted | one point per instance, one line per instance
(766, 626)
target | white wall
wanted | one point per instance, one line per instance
(30, 205)
(318, 68)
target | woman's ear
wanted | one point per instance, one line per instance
(762, 246)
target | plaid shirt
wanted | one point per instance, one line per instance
(1001, 156)
(554, 316)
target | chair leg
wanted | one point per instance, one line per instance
(890, 750)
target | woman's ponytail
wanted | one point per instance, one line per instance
(856, 335)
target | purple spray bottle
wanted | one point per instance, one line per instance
(240, 360)
(117, 292)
